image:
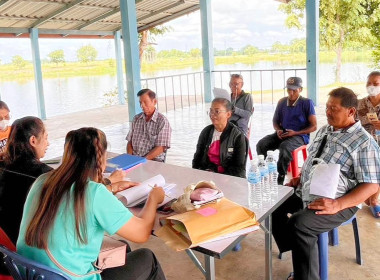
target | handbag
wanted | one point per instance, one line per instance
(113, 253)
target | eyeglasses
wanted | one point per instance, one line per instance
(215, 112)
(235, 84)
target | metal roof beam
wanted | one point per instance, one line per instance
(2, 2)
(76, 32)
(151, 14)
(11, 30)
(169, 18)
(105, 15)
(59, 11)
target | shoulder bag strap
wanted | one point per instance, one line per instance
(69, 271)
(321, 147)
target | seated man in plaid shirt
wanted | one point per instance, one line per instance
(345, 142)
(150, 132)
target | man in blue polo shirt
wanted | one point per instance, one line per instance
(293, 120)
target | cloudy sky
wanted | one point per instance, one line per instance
(235, 24)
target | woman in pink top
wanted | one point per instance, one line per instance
(221, 147)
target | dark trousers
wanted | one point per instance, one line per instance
(299, 233)
(286, 147)
(141, 264)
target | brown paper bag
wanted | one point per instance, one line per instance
(189, 229)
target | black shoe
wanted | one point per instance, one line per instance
(280, 179)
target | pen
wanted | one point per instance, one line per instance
(164, 191)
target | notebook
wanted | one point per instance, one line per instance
(123, 161)
(136, 195)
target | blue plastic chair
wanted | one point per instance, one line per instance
(22, 268)
(332, 238)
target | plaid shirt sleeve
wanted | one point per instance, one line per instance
(164, 134)
(367, 165)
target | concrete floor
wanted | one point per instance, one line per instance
(248, 263)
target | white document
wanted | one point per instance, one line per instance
(138, 194)
(325, 180)
(221, 93)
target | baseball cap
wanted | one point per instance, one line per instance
(294, 83)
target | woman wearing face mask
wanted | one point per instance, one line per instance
(4, 128)
(369, 115)
(21, 165)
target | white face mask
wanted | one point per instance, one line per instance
(373, 90)
(4, 124)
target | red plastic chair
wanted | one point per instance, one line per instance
(4, 240)
(293, 166)
(249, 135)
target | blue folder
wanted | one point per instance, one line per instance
(123, 161)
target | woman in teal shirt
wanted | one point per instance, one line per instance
(68, 210)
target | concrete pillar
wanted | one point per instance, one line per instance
(312, 49)
(207, 48)
(131, 54)
(119, 68)
(38, 73)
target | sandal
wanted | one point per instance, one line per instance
(291, 276)
(375, 210)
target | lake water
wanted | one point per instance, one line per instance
(67, 95)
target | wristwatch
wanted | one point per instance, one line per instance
(107, 181)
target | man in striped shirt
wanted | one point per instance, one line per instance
(345, 142)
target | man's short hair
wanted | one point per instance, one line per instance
(373, 73)
(151, 93)
(239, 76)
(348, 98)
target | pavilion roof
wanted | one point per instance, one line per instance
(84, 18)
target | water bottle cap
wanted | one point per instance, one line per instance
(254, 161)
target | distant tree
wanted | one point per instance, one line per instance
(57, 56)
(18, 61)
(277, 47)
(228, 51)
(87, 53)
(172, 53)
(372, 8)
(297, 45)
(249, 50)
(195, 52)
(150, 54)
(341, 23)
(148, 37)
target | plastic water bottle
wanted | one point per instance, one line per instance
(264, 178)
(273, 174)
(254, 185)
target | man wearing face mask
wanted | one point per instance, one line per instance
(369, 115)
(5, 130)
(242, 102)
